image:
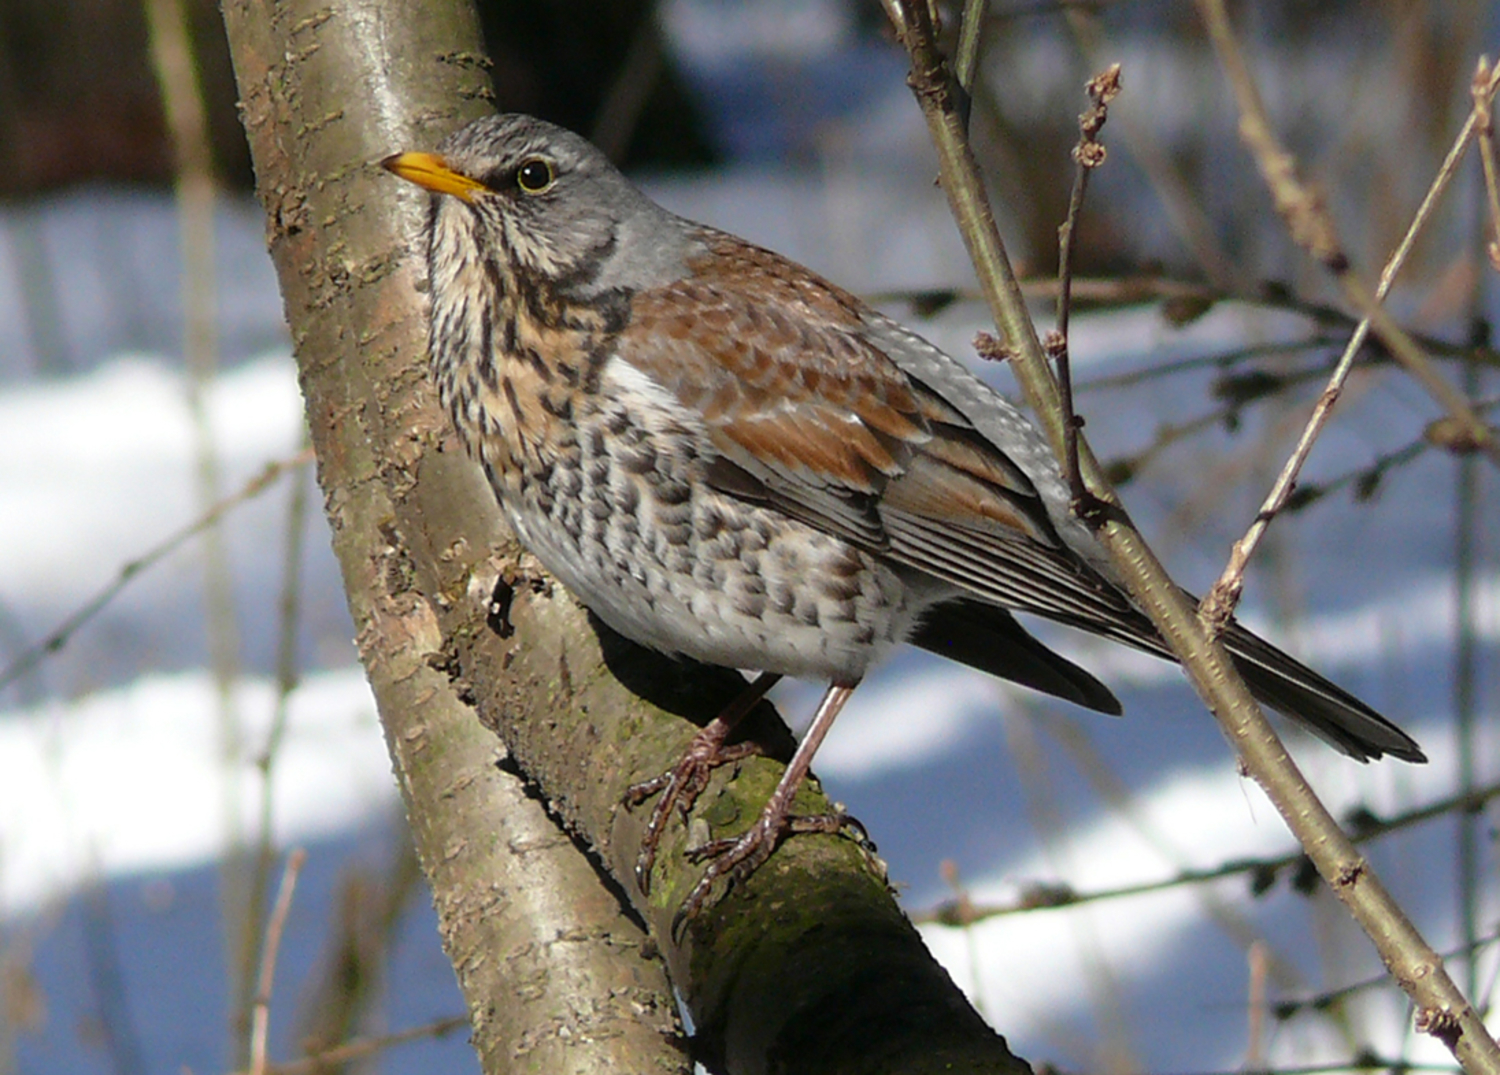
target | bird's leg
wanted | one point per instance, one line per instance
(743, 854)
(684, 782)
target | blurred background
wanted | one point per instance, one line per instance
(181, 705)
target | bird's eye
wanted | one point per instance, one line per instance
(534, 175)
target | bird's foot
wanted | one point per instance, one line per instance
(680, 787)
(740, 856)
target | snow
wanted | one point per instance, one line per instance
(116, 766)
(140, 779)
(106, 461)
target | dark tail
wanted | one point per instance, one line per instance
(1328, 711)
(989, 638)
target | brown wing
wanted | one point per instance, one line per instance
(798, 415)
(810, 415)
(807, 413)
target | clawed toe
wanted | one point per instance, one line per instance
(680, 788)
(681, 785)
(740, 856)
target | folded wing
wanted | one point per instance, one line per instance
(846, 422)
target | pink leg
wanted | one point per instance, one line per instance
(684, 782)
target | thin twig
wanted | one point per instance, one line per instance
(1124, 468)
(176, 66)
(288, 611)
(1441, 1007)
(63, 632)
(1234, 356)
(1180, 204)
(1107, 785)
(1043, 801)
(260, 1018)
(1483, 90)
(966, 62)
(288, 617)
(1312, 228)
(1088, 155)
(359, 1048)
(1466, 537)
(1255, 1050)
(112, 998)
(1183, 302)
(1049, 897)
(970, 30)
(1219, 603)
(356, 964)
(1285, 1009)
(948, 870)
(1362, 1062)
(1099, 291)
(1366, 480)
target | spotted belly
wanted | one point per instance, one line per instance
(626, 520)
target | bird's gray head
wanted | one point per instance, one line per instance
(546, 202)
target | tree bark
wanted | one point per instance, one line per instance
(808, 966)
(550, 967)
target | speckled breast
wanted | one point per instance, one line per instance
(616, 504)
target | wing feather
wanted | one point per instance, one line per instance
(842, 419)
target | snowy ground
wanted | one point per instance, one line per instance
(122, 786)
(130, 781)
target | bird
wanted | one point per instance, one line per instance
(728, 458)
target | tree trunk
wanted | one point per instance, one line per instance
(809, 966)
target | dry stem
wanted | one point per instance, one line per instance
(1053, 897)
(1255, 1051)
(1219, 603)
(359, 1048)
(1482, 117)
(1180, 205)
(59, 636)
(260, 1019)
(1312, 228)
(1412, 962)
(1088, 155)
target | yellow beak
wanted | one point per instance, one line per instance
(430, 171)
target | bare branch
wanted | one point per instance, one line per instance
(359, 1048)
(1482, 117)
(260, 1017)
(1046, 897)
(1219, 603)
(63, 632)
(1088, 155)
(1179, 202)
(1413, 962)
(1312, 228)
(966, 62)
